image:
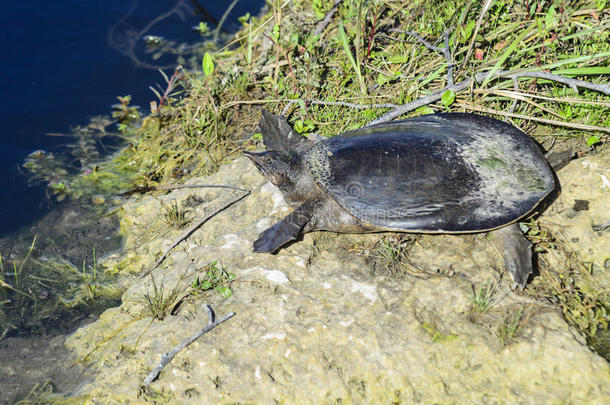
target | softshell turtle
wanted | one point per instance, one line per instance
(438, 173)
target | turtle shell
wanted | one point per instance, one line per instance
(439, 173)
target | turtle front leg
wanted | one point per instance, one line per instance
(287, 230)
(516, 251)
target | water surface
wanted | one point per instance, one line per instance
(60, 68)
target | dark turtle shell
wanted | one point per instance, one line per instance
(434, 173)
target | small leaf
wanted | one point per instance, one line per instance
(467, 30)
(425, 110)
(244, 18)
(202, 28)
(398, 59)
(276, 32)
(207, 64)
(448, 98)
(593, 140)
(225, 291)
(550, 18)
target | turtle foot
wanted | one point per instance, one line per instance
(516, 252)
(272, 239)
(287, 230)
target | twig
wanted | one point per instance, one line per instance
(479, 78)
(476, 29)
(574, 84)
(601, 227)
(196, 226)
(148, 189)
(352, 105)
(179, 186)
(324, 23)
(341, 103)
(167, 357)
(446, 51)
(517, 96)
(528, 117)
(128, 46)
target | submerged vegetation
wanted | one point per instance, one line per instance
(43, 294)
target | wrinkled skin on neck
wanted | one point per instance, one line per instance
(287, 171)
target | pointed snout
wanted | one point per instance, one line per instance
(258, 159)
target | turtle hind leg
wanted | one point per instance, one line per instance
(516, 251)
(287, 230)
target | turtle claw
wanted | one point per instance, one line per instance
(287, 230)
(516, 252)
(272, 239)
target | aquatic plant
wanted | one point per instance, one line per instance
(46, 294)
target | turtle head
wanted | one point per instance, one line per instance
(280, 168)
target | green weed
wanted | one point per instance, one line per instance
(482, 299)
(160, 302)
(215, 277)
(176, 217)
(509, 326)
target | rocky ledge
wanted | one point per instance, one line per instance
(327, 320)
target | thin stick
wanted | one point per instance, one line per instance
(340, 103)
(179, 186)
(324, 23)
(352, 105)
(192, 230)
(479, 78)
(167, 357)
(476, 29)
(527, 117)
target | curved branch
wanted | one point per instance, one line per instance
(479, 78)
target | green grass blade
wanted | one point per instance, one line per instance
(511, 48)
(584, 71)
(345, 43)
(572, 60)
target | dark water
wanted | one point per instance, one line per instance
(59, 69)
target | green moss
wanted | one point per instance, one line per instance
(437, 336)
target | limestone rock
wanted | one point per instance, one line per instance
(316, 324)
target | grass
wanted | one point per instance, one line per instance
(160, 302)
(508, 328)
(46, 293)
(482, 299)
(176, 217)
